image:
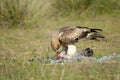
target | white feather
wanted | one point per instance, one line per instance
(71, 51)
(60, 34)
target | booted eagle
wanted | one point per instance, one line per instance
(68, 36)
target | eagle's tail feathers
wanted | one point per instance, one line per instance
(95, 30)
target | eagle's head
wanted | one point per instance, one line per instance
(55, 43)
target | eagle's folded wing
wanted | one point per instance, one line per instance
(71, 35)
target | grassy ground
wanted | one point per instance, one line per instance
(23, 43)
(36, 22)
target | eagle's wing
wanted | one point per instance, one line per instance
(93, 33)
(66, 28)
(70, 35)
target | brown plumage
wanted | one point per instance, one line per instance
(72, 34)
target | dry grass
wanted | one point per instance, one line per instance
(24, 43)
(19, 44)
